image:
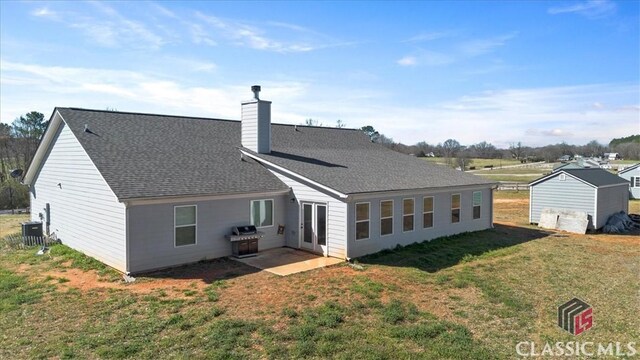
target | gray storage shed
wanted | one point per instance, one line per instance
(597, 192)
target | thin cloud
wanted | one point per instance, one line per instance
(255, 36)
(408, 61)
(430, 36)
(592, 9)
(530, 115)
(482, 46)
(556, 133)
(45, 12)
(109, 30)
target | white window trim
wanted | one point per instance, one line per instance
(386, 217)
(179, 226)
(635, 181)
(473, 205)
(459, 208)
(273, 212)
(413, 213)
(356, 221)
(432, 212)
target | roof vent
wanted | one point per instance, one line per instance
(256, 91)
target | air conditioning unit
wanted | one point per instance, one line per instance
(32, 229)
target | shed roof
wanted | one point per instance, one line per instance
(594, 176)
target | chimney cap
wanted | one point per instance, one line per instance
(256, 91)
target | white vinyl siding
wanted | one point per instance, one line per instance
(441, 211)
(427, 212)
(386, 217)
(151, 231)
(408, 217)
(336, 214)
(85, 213)
(256, 126)
(262, 213)
(185, 225)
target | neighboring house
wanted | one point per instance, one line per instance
(611, 156)
(566, 165)
(594, 191)
(564, 158)
(632, 174)
(141, 192)
(590, 163)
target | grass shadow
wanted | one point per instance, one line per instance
(432, 256)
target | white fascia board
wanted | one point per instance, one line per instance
(291, 173)
(368, 195)
(557, 173)
(194, 198)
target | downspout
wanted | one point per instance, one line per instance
(126, 237)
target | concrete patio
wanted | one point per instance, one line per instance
(287, 261)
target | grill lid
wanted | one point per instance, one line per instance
(244, 230)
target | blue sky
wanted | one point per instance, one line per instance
(503, 72)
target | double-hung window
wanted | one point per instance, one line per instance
(386, 217)
(455, 208)
(427, 212)
(262, 213)
(477, 204)
(362, 221)
(185, 219)
(408, 209)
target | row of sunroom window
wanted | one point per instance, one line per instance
(363, 214)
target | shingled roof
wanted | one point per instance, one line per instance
(594, 176)
(145, 155)
(346, 160)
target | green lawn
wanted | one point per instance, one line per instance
(471, 296)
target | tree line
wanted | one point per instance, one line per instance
(457, 154)
(18, 144)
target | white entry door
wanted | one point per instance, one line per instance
(313, 227)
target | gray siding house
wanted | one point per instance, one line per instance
(632, 174)
(594, 191)
(141, 192)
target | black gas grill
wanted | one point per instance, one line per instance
(244, 241)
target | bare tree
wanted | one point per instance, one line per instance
(517, 150)
(312, 122)
(340, 124)
(450, 149)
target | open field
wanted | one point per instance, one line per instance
(478, 163)
(511, 178)
(468, 296)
